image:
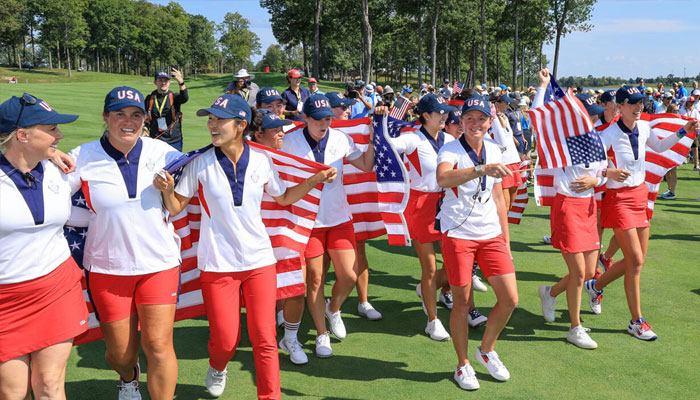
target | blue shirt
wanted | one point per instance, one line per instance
(293, 101)
(359, 110)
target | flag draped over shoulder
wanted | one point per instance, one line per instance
(289, 228)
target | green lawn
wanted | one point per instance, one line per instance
(393, 358)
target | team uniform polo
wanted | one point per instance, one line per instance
(503, 136)
(232, 235)
(625, 203)
(471, 230)
(41, 300)
(127, 232)
(421, 150)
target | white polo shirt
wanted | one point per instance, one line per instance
(232, 237)
(503, 136)
(468, 211)
(564, 176)
(127, 231)
(32, 216)
(333, 147)
(614, 136)
(421, 150)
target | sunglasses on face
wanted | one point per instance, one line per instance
(26, 99)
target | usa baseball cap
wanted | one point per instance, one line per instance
(589, 102)
(433, 103)
(337, 99)
(454, 116)
(317, 106)
(476, 103)
(161, 74)
(505, 98)
(628, 94)
(228, 106)
(26, 111)
(122, 97)
(271, 120)
(607, 96)
(267, 95)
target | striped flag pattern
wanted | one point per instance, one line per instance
(401, 105)
(515, 214)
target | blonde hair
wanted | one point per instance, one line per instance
(5, 138)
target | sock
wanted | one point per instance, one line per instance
(290, 330)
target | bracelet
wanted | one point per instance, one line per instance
(681, 133)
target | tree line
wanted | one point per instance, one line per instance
(121, 36)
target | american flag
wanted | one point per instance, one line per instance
(289, 228)
(376, 206)
(515, 214)
(401, 105)
(457, 87)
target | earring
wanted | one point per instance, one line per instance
(25, 141)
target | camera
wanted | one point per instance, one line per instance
(351, 90)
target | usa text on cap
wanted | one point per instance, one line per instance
(337, 99)
(628, 94)
(122, 97)
(317, 107)
(161, 74)
(433, 103)
(476, 103)
(26, 111)
(267, 95)
(270, 120)
(589, 102)
(228, 106)
(607, 96)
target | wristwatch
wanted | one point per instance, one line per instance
(478, 171)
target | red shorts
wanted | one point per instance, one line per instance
(114, 297)
(42, 312)
(625, 208)
(574, 223)
(459, 255)
(513, 180)
(420, 216)
(339, 237)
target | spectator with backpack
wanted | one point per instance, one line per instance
(163, 115)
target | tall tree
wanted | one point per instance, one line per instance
(201, 43)
(367, 48)
(238, 42)
(317, 38)
(433, 40)
(568, 16)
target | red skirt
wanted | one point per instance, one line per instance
(625, 208)
(420, 216)
(42, 312)
(574, 224)
(513, 180)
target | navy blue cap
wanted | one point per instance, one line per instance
(589, 102)
(161, 74)
(454, 116)
(337, 99)
(271, 120)
(228, 106)
(607, 96)
(267, 95)
(433, 103)
(628, 94)
(35, 112)
(122, 97)
(505, 98)
(476, 103)
(317, 106)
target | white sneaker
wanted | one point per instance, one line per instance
(641, 330)
(548, 303)
(492, 363)
(323, 346)
(547, 239)
(466, 377)
(296, 352)
(337, 327)
(579, 336)
(478, 285)
(436, 331)
(420, 296)
(594, 297)
(216, 381)
(130, 390)
(366, 310)
(280, 318)
(475, 319)
(446, 299)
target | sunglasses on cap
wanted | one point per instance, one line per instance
(26, 99)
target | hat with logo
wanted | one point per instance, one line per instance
(433, 103)
(607, 96)
(454, 116)
(628, 94)
(267, 95)
(293, 73)
(26, 111)
(476, 103)
(122, 97)
(228, 106)
(506, 98)
(589, 102)
(337, 99)
(317, 106)
(312, 80)
(161, 74)
(271, 120)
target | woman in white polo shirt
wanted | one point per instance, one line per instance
(625, 203)
(474, 225)
(42, 307)
(503, 136)
(333, 230)
(131, 255)
(235, 254)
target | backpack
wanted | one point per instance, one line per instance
(172, 111)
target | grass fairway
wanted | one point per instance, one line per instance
(393, 358)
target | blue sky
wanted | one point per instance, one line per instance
(630, 37)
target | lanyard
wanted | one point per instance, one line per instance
(162, 105)
(472, 155)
